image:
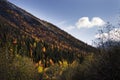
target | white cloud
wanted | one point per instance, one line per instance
(61, 23)
(69, 28)
(84, 22)
(113, 35)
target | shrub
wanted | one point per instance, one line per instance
(16, 68)
(75, 71)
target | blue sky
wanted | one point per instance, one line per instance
(67, 13)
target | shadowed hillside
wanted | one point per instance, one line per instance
(40, 29)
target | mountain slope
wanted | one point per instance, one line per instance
(23, 23)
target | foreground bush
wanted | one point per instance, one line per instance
(75, 71)
(16, 68)
(105, 65)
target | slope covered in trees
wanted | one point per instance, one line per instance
(40, 29)
(24, 34)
